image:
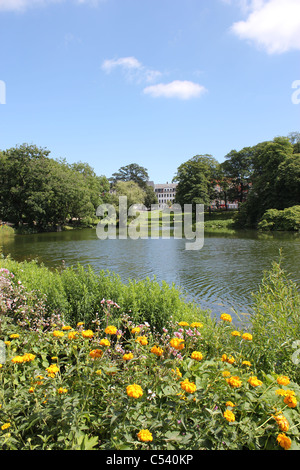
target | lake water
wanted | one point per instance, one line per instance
(219, 277)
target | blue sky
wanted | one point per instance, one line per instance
(153, 82)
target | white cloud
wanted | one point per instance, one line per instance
(132, 68)
(273, 25)
(22, 5)
(181, 89)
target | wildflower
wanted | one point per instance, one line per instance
(134, 391)
(228, 359)
(142, 340)
(98, 372)
(284, 441)
(229, 416)
(72, 334)
(246, 363)
(80, 323)
(66, 327)
(283, 380)
(290, 400)
(58, 334)
(177, 343)
(110, 330)
(247, 336)
(229, 403)
(183, 323)
(226, 317)
(54, 358)
(52, 370)
(96, 353)
(177, 373)
(135, 330)
(234, 382)
(28, 357)
(5, 426)
(105, 342)
(127, 357)
(157, 350)
(226, 373)
(188, 386)
(7, 343)
(14, 336)
(87, 333)
(62, 390)
(39, 381)
(254, 381)
(197, 355)
(282, 422)
(31, 390)
(144, 435)
(196, 325)
(235, 333)
(17, 359)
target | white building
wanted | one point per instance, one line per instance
(165, 193)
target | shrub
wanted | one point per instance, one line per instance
(285, 220)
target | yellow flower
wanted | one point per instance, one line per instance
(52, 370)
(157, 350)
(228, 359)
(80, 323)
(28, 357)
(18, 359)
(7, 343)
(177, 343)
(96, 353)
(62, 390)
(144, 435)
(58, 334)
(284, 441)
(87, 333)
(104, 342)
(66, 327)
(134, 391)
(98, 372)
(196, 324)
(197, 355)
(283, 380)
(229, 416)
(31, 390)
(183, 323)
(127, 357)
(188, 386)
(254, 381)
(226, 317)
(229, 403)
(14, 336)
(135, 330)
(246, 363)
(142, 340)
(234, 381)
(72, 334)
(5, 426)
(282, 422)
(247, 336)
(235, 333)
(110, 330)
(290, 400)
(177, 373)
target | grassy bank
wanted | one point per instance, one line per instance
(92, 363)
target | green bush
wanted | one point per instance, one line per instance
(286, 220)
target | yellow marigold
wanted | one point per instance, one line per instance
(253, 380)
(226, 317)
(290, 400)
(5, 426)
(58, 334)
(72, 334)
(283, 380)
(247, 336)
(284, 441)
(177, 343)
(105, 342)
(282, 422)
(62, 390)
(52, 370)
(228, 359)
(229, 416)
(197, 355)
(142, 340)
(157, 350)
(39, 380)
(229, 403)
(188, 386)
(127, 356)
(14, 336)
(7, 343)
(80, 323)
(183, 323)
(196, 324)
(96, 353)
(17, 359)
(98, 372)
(235, 333)
(135, 330)
(110, 330)
(226, 373)
(31, 390)
(134, 391)
(234, 381)
(28, 357)
(66, 327)
(144, 435)
(87, 333)
(246, 363)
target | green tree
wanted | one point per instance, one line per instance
(196, 180)
(236, 173)
(132, 172)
